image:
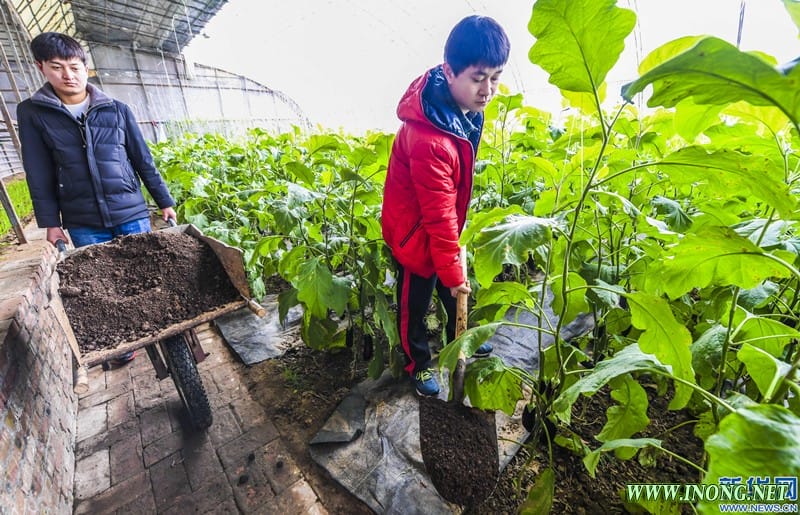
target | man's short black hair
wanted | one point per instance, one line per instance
(54, 45)
(476, 40)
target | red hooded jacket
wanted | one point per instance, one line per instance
(429, 180)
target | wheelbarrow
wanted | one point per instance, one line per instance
(174, 351)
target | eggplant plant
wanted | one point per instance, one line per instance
(674, 229)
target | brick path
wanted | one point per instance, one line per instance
(135, 452)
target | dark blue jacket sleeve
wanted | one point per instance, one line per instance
(142, 160)
(40, 169)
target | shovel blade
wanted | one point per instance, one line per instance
(459, 449)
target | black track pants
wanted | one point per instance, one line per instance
(414, 294)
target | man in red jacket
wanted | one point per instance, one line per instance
(429, 182)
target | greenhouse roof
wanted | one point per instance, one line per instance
(166, 25)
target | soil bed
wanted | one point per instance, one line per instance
(300, 391)
(138, 285)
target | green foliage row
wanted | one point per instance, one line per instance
(676, 229)
(20, 199)
(306, 207)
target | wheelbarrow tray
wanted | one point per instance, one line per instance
(231, 260)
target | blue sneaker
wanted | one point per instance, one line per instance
(425, 383)
(483, 351)
(124, 359)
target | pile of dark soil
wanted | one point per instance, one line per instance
(138, 285)
(459, 449)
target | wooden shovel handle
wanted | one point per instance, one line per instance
(461, 299)
(461, 326)
(461, 313)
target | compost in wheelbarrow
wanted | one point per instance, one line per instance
(151, 288)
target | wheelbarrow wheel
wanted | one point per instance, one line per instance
(188, 382)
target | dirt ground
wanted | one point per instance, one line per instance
(300, 390)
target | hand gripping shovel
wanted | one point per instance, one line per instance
(459, 443)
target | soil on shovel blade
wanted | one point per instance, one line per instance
(459, 449)
(135, 286)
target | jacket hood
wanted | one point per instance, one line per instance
(47, 95)
(428, 100)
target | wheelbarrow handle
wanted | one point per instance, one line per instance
(61, 245)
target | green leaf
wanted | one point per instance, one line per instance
(724, 171)
(540, 497)
(578, 41)
(793, 7)
(713, 256)
(287, 299)
(760, 440)
(468, 343)
(301, 171)
(692, 119)
(319, 290)
(631, 445)
(759, 296)
(765, 333)
(765, 370)
(707, 354)
(705, 426)
(491, 385)
(586, 103)
(629, 359)
(665, 338)
(715, 72)
(675, 216)
(629, 416)
(322, 333)
(769, 116)
(575, 300)
(508, 243)
(504, 293)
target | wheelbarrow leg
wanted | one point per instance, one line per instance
(158, 363)
(194, 345)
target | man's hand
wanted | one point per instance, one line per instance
(168, 213)
(464, 288)
(56, 233)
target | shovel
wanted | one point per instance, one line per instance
(459, 443)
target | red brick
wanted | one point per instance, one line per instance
(99, 396)
(200, 460)
(281, 469)
(138, 486)
(225, 427)
(298, 500)
(162, 448)
(238, 448)
(169, 481)
(126, 460)
(155, 425)
(248, 412)
(120, 409)
(214, 496)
